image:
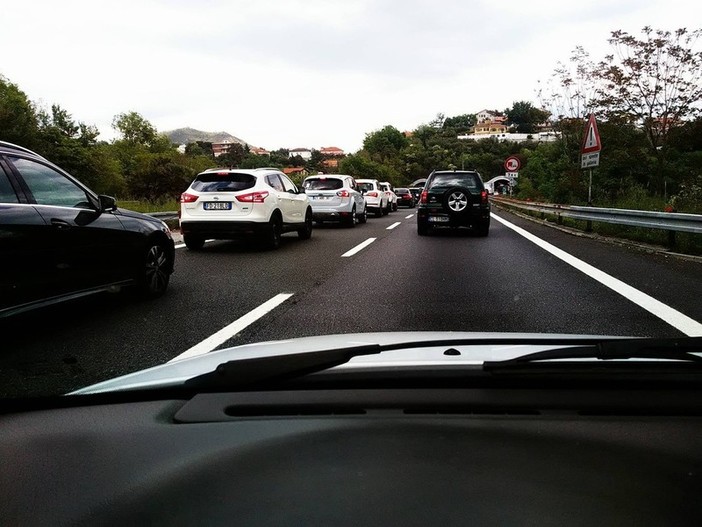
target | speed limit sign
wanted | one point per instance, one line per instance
(512, 164)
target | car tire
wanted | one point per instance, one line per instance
(351, 221)
(273, 233)
(483, 228)
(193, 242)
(305, 233)
(457, 201)
(394, 207)
(156, 270)
(363, 218)
(422, 228)
(379, 212)
(386, 210)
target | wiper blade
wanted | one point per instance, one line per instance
(245, 372)
(672, 349)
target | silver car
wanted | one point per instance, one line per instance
(335, 198)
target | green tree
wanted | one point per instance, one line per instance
(385, 144)
(18, 118)
(134, 128)
(526, 116)
(460, 124)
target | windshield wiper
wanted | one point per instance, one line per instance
(671, 349)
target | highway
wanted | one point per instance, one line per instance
(381, 276)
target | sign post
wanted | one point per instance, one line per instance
(512, 166)
(590, 155)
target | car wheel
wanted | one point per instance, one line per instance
(156, 271)
(351, 221)
(379, 212)
(363, 217)
(422, 228)
(274, 232)
(386, 210)
(394, 207)
(305, 233)
(457, 200)
(483, 228)
(192, 242)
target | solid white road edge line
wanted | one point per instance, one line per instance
(227, 332)
(410, 216)
(391, 227)
(678, 320)
(358, 248)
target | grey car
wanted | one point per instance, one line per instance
(335, 198)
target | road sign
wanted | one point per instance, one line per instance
(512, 164)
(590, 160)
(591, 140)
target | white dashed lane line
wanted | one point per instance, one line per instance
(358, 248)
(410, 216)
(391, 227)
(227, 332)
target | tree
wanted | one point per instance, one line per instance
(18, 119)
(385, 144)
(134, 128)
(460, 123)
(526, 116)
(655, 80)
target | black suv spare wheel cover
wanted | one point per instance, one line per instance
(457, 200)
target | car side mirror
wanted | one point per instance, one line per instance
(107, 203)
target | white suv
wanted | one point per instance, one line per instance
(335, 198)
(392, 197)
(376, 198)
(232, 203)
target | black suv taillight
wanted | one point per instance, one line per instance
(483, 197)
(424, 197)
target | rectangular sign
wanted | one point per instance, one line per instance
(590, 160)
(512, 174)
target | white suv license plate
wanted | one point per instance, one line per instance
(217, 205)
(438, 219)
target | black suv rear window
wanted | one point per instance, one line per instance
(456, 179)
(223, 182)
(324, 184)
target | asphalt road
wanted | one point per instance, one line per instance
(399, 281)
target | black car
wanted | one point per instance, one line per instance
(454, 198)
(60, 241)
(416, 193)
(405, 197)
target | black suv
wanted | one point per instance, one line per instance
(454, 198)
(60, 241)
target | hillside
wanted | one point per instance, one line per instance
(183, 136)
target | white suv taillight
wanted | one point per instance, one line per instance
(188, 198)
(253, 197)
(343, 194)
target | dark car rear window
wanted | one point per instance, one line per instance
(223, 182)
(456, 179)
(324, 184)
(401, 191)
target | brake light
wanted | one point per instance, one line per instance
(253, 197)
(343, 194)
(483, 197)
(188, 198)
(424, 197)
(372, 194)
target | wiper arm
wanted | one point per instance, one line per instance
(673, 349)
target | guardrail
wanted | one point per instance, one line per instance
(668, 221)
(170, 215)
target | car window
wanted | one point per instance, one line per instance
(365, 187)
(288, 185)
(451, 179)
(401, 191)
(324, 184)
(7, 193)
(274, 181)
(223, 182)
(48, 186)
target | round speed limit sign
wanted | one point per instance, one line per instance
(512, 164)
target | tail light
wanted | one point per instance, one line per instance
(372, 194)
(253, 197)
(188, 198)
(483, 197)
(424, 197)
(343, 194)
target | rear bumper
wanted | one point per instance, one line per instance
(223, 230)
(471, 218)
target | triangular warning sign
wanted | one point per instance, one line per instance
(591, 141)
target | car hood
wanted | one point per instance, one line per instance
(137, 215)
(176, 372)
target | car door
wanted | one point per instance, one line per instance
(282, 197)
(298, 200)
(358, 198)
(25, 275)
(85, 247)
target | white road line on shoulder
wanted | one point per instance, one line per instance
(410, 216)
(678, 320)
(391, 227)
(358, 248)
(227, 332)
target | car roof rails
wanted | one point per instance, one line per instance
(13, 146)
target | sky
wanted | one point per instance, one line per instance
(307, 73)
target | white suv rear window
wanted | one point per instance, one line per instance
(324, 184)
(226, 182)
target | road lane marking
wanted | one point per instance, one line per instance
(227, 332)
(358, 248)
(678, 320)
(410, 216)
(391, 227)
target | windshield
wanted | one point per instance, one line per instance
(162, 207)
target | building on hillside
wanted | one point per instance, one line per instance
(304, 153)
(331, 151)
(296, 171)
(490, 127)
(486, 116)
(259, 151)
(222, 148)
(332, 162)
(539, 137)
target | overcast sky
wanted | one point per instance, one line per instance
(306, 73)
